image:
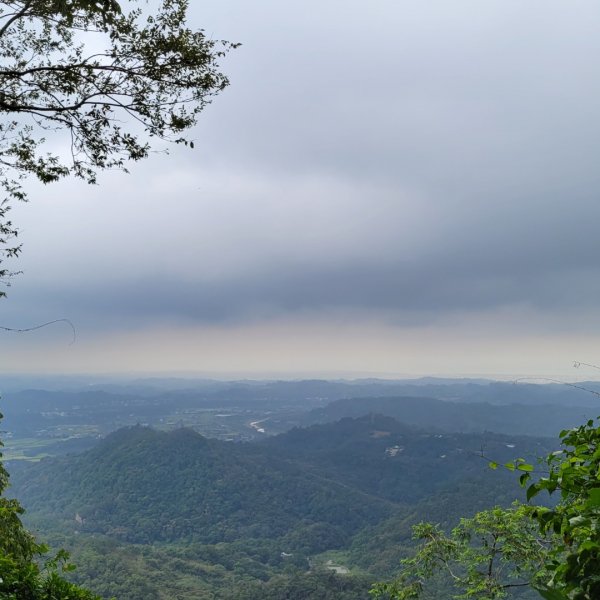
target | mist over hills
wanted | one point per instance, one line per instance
(463, 390)
(49, 422)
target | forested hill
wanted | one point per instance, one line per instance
(398, 462)
(466, 417)
(143, 485)
(214, 519)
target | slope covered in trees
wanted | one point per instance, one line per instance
(26, 569)
(142, 485)
(252, 520)
(467, 415)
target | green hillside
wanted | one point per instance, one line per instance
(150, 514)
(400, 463)
(141, 485)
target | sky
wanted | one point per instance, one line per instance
(394, 188)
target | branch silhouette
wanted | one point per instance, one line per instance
(35, 327)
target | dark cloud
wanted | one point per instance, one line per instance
(419, 293)
(403, 159)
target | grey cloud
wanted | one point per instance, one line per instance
(402, 95)
(417, 293)
(461, 139)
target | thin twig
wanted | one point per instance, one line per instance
(24, 330)
(573, 385)
(578, 364)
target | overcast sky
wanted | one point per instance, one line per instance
(393, 187)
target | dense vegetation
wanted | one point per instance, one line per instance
(26, 572)
(322, 511)
(554, 550)
(394, 461)
(141, 485)
(150, 514)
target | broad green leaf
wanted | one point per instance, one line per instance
(532, 490)
(579, 521)
(552, 594)
(525, 467)
(594, 498)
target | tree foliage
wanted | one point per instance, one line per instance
(485, 557)
(574, 474)
(570, 565)
(21, 576)
(112, 81)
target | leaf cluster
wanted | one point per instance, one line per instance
(483, 557)
(113, 81)
(574, 474)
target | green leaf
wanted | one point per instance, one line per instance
(525, 467)
(588, 545)
(579, 521)
(532, 490)
(552, 594)
(594, 498)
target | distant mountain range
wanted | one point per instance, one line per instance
(227, 409)
(465, 417)
(462, 390)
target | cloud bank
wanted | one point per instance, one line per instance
(414, 166)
